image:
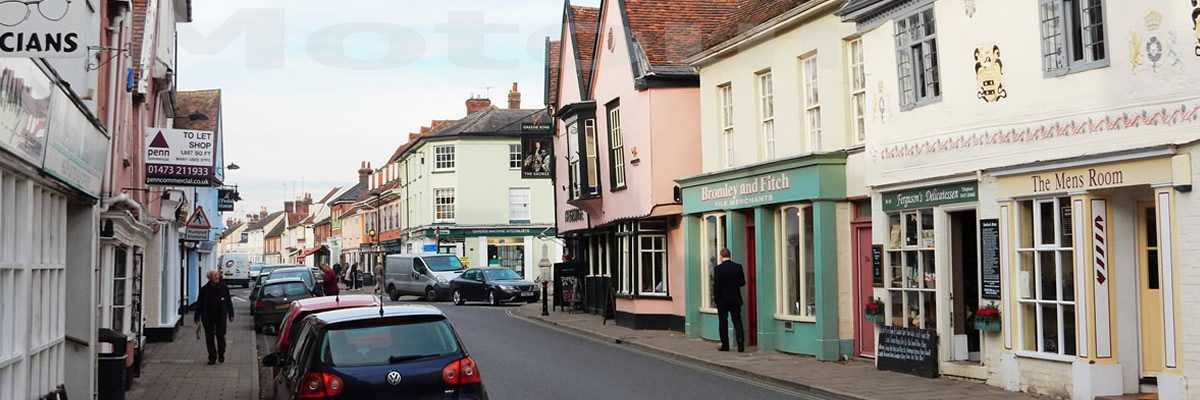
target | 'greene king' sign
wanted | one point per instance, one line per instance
(179, 157)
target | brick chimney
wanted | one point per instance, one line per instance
(514, 98)
(364, 173)
(477, 104)
(289, 207)
(262, 213)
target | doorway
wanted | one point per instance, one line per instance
(964, 264)
(1149, 293)
(751, 318)
(864, 289)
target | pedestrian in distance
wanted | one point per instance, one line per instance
(337, 272)
(729, 278)
(213, 308)
(329, 282)
(355, 283)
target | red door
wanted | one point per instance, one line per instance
(751, 294)
(864, 330)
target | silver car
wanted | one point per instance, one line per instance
(425, 275)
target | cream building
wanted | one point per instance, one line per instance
(1039, 157)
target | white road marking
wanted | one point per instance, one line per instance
(240, 299)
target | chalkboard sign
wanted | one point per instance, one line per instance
(989, 237)
(877, 265)
(908, 351)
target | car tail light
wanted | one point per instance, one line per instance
(320, 385)
(260, 304)
(461, 372)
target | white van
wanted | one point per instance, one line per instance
(426, 275)
(235, 269)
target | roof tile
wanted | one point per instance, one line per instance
(668, 32)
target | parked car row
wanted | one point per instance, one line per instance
(437, 276)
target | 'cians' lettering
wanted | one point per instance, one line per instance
(14, 42)
(1062, 181)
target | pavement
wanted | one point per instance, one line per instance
(854, 379)
(178, 370)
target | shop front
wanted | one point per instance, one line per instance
(518, 248)
(929, 274)
(780, 221)
(1092, 272)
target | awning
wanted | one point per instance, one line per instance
(310, 252)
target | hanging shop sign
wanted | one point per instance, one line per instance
(197, 227)
(179, 157)
(44, 28)
(537, 157)
(931, 196)
(989, 255)
(907, 350)
(24, 109)
(76, 149)
(227, 199)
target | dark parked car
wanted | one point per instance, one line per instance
(401, 351)
(494, 285)
(264, 273)
(298, 272)
(274, 300)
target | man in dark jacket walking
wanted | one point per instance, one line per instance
(214, 307)
(729, 278)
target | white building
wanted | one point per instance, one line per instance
(1039, 157)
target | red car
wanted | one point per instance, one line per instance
(303, 308)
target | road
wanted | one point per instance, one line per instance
(521, 360)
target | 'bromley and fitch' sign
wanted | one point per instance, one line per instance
(931, 196)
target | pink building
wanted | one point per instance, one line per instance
(628, 125)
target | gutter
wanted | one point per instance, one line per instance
(770, 26)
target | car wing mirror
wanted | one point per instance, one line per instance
(276, 360)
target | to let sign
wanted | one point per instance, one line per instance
(931, 196)
(179, 157)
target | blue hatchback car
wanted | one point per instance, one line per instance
(394, 352)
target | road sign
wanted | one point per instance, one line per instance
(197, 227)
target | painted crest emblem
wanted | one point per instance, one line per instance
(394, 378)
(989, 72)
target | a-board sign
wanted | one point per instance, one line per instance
(989, 254)
(877, 265)
(908, 351)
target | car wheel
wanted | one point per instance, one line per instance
(430, 294)
(493, 299)
(457, 298)
(393, 294)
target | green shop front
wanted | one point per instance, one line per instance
(524, 249)
(779, 220)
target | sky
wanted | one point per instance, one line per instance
(311, 89)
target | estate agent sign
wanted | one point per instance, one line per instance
(44, 28)
(179, 157)
(931, 196)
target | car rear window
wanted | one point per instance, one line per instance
(305, 275)
(289, 289)
(388, 344)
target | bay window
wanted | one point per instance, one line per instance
(593, 160)
(573, 159)
(796, 284)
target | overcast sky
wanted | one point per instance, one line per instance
(312, 88)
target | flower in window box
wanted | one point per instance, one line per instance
(987, 318)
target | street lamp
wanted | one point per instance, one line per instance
(233, 167)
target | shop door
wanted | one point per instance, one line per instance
(864, 338)
(965, 292)
(1149, 292)
(751, 301)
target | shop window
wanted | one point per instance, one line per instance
(713, 240)
(625, 238)
(1046, 277)
(911, 275)
(443, 158)
(653, 264)
(1073, 33)
(508, 253)
(796, 271)
(917, 58)
(598, 256)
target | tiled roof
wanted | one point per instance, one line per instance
(668, 32)
(492, 121)
(749, 14)
(277, 230)
(353, 194)
(204, 104)
(263, 221)
(585, 21)
(231, 229)
(553, 69)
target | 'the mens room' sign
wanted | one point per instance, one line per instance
(44, 29)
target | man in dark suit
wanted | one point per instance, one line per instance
(213, 307)
(729, 278)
